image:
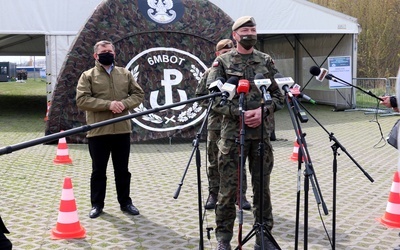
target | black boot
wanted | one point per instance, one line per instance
(268, 245)
(223, 245)
(246, 204)
(211, 201)
(272, 136)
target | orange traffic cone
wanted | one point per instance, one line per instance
(295, 153)
(68, 225)
(47, 112)
(62, 156)
(391, 218)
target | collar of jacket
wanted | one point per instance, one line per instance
(99, 66)
(252, 59)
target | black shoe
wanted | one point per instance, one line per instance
(223, 245)
(272, 136)
(246, 204)
(267, 244)
(211, 201)
(95, 212)
(130, 209)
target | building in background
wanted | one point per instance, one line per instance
(31, 71)
(7, 71)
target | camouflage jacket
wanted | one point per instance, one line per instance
(245, 67)
(214, 118)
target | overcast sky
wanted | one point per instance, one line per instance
(20, 59)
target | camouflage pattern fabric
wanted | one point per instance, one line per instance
(228, 169)
(232, 64)
(213, 135)
(243, 67)
(138, 29)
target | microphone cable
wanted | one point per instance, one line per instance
(379, 126)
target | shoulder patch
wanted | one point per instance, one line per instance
(215, 63)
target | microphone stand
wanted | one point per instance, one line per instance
(196, 149)
(85, 128)
(335, 148)
(242, 160)
(52, 137)
(260, 227)
(309, 173)
(335, 79)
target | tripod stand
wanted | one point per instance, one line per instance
(259, 228)
(196, 150)
(297, 115)
(337, 145)
(48, 138)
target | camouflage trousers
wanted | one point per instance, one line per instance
(212, 169)
(229, 165)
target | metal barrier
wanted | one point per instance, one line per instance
(376, 86)
(391, 86)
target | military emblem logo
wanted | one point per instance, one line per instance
(161, 11)
(168, 76)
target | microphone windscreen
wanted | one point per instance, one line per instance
(259, 76)
(233, 80)
(221, 79)
(278, 75)
(314, 70)
(243, 86)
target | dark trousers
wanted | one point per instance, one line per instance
(5, 244)
(100, 149)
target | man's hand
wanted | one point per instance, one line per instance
(252, 118)
(386, 101)
(117, 107)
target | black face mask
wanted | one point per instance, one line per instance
(248, 41)
(106, 58)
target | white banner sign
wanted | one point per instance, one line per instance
(340, 68)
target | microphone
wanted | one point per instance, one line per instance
(262, 85)
(243, 86)
(216, 85)
(283, 83)
(228, 90)
(242, 89)
(291, 91)
(320, 73)
(285, 87)
(296, 91)
(287, 91)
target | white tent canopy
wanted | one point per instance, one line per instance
(65, 18)
(290, 17)
(297, 33)
(45, 16)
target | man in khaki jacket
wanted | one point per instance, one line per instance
(107, 91)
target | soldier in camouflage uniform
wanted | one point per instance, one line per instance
(244, 62)
(213, 134)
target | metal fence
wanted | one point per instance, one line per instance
(377, 87)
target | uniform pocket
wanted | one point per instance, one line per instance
(225, 145)
(234, 72)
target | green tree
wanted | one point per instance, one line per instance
(378, 43)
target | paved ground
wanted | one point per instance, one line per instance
(31, 186)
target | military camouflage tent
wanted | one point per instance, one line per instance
(167, 45)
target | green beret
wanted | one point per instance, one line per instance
(244, 21)
(224, 44)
